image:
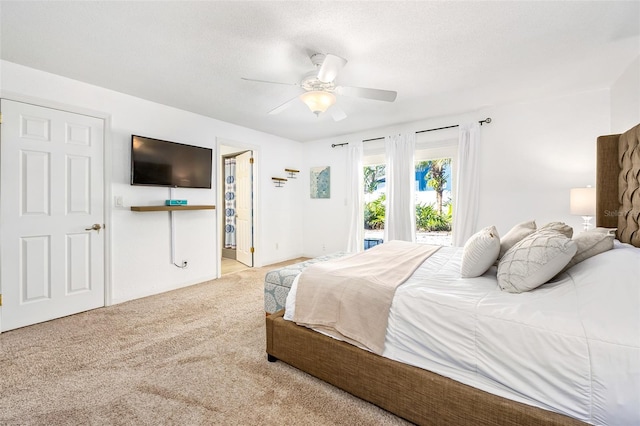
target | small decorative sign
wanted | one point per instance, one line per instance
(320, 182)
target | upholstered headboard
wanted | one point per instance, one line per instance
(618, 185)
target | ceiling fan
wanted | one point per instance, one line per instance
(320, 89)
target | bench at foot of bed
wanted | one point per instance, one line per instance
(277, 283)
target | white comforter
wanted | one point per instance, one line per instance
(571, 346)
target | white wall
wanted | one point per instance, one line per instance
(140, 242)
(325, 219)
(625, 99)
(532, 154)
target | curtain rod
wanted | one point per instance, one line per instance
(486, 120)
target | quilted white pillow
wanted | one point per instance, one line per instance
(480, 252)
(515, 234)
(560, 227)
(534, 260)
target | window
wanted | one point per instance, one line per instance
(433, 201)
(374, 204)
(434, 192)
(436, 159)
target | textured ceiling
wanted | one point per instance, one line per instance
(441, 57)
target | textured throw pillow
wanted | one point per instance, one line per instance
(516, 234)
(589, 244)
(560, 227)
(480, 252)
(534, 261)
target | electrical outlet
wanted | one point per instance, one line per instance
(276, 246)
(118, 200)
(323, 247)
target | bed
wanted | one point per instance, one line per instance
(407, 385)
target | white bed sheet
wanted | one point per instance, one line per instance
(571, 346)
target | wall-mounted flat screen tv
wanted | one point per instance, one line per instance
(163, 163)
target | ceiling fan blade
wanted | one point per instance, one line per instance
(280, 108)
(362, 92)
(337, 113)
(330, 67)
(270, 82)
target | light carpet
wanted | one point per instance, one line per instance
(194, 356)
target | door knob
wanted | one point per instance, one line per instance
(95, 227)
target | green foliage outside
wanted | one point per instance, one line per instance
(374, 213)
(372, 176)
(428, 219)
(435, 177)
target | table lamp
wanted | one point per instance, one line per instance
(583, 203)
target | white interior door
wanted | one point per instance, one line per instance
(244, 208)
(51, 182)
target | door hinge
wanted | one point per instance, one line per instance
(0, 118)
(252, 250)
(0, 299)
(251, 160)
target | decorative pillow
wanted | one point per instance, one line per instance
(534, 260)
(560, 227)
(516, 234)
(480, 252)
(589, 244)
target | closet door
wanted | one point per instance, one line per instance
(52, 213)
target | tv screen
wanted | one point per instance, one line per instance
(163, 163)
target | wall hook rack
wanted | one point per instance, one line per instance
(279, 181)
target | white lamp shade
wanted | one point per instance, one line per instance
(318, 101)
(583, 201)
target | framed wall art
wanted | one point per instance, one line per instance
(321, 182)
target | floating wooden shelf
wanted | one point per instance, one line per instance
(169, 208)
(292, 172)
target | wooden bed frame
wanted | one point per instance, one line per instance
(424, 397)
(418, 395)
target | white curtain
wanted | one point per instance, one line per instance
(465, 217)
(355, 187)
(400, 215)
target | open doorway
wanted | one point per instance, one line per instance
(237, 209)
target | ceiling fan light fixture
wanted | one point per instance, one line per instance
(318, 101)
